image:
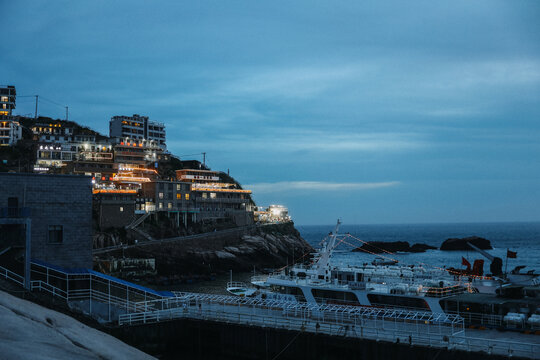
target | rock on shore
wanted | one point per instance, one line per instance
(30, 331)
(378, 247)
(461, 244)
(268, 246)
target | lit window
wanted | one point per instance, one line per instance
(187, 196)
(161, 195)
(169, 206)
(56, 234)
(161, 205)
(213, 195)
(179, 196)
(178, 187)
(121, 209)
(204, 195)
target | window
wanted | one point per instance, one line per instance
(204, 195)
(56, 234)
(161, 205)
(178, 187)
(161, 195)
(187, 196)
(13, 206)
(121, 209)
(169, 206)
(179, 196)
(213, 195)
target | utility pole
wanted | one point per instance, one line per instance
(66, 113)
(35, 115)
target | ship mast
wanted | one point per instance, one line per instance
(326, 252)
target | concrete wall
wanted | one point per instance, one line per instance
(64, 200)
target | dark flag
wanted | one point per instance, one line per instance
(511, 254)
(465, 262)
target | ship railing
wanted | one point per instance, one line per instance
(487, 320)
(443, 291)
(236, 284)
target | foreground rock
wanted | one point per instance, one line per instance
(461, 244)
(378, 247)
(30, 331)
(266, 247)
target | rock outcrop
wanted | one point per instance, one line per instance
(461, 244)
(378, 247)
(417, 248)
(268, 246)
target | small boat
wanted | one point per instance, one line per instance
(240, 289)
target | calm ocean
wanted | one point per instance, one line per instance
(523, 237)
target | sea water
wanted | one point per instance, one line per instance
(523, 238)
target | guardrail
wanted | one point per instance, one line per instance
(10, 275)
(395, 325)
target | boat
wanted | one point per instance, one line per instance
(389, 285)
(382, 261)
(240, 289)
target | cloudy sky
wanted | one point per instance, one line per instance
(373, 111)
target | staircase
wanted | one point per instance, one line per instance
(138, 221)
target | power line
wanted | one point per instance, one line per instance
(52, 102)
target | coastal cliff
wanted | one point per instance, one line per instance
(265, 246)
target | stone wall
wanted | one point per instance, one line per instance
(55, 200)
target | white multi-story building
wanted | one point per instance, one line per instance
(138, 127)
(10, 131)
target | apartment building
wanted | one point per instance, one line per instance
(215, 198)
(10, 129)
(8, 96)
(138, 127)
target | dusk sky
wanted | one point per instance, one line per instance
(372, 111)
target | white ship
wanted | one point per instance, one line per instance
(411, 287)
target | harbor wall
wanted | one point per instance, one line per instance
(194, 339)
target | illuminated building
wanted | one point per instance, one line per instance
(54, 156)
(217, 199)
(272, 214)
(173, 197)
(53, 132)
(8, 96)
(138, 128)
(10, 129)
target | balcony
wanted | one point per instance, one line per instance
(14, 212)
(222, 200)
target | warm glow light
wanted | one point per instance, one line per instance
(113, 191)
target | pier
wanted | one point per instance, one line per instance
(144, 316)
